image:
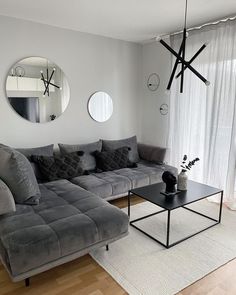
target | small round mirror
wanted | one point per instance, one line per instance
(100, 106)
(37, 89)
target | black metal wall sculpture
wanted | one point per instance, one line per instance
(180, 58)
(47, 82)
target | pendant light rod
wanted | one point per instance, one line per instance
(184, 47)
(184, 62)
(180, 57)
(175, 67)
(192, 59)
(185, 16)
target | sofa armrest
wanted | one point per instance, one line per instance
(151, 153)
(7, 200)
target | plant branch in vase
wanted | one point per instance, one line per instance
(183, 177)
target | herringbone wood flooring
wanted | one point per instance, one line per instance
(84, 276)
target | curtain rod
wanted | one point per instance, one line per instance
(197, 27)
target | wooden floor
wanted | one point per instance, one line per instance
(84, 276)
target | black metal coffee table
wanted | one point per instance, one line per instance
(196, 192)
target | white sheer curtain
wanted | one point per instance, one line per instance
(203, 119)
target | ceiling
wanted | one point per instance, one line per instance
(131, 20)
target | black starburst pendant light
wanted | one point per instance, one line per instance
(48, 81)
(180, 58)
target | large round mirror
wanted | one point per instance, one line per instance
(37, 89)
(100, 106)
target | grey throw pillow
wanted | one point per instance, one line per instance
(17, 173)
(46, 151)
(130, 142)
(7, 202)
(88, 161)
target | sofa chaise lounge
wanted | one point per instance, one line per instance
(73, 216)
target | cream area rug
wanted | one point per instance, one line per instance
(143, 267)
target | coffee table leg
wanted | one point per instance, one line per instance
(168, 230)
(221, 205)
(129, 204)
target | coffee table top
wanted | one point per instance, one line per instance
(196, 191)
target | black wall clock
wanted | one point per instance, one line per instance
(153, 82)
(164, 109)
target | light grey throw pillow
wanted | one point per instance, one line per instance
(46, 151)
(7, 203)
(88, 161)
(17, 173)
(130, 142)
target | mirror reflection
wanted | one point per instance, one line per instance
(37, 89)
(100, 106)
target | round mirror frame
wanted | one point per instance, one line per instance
(92, 100)
(40, 82)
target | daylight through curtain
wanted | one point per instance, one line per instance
(203, 119)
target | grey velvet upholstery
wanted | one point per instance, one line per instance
(67, 220)
(7, 202)
(88, 161)
(119, 182)
(130, 142)
(104, 184)
(151, 153)
(17, 173)
(46, 151)
(73, 216)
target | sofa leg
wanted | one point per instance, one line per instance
(27, 282)
(107, 247)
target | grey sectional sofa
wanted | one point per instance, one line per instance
(115, 184)
(73, 217)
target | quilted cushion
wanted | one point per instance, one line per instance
(119, 182)
(68, 219)
(112, 160)
(60, 167)
(105, 184)
(130, 142)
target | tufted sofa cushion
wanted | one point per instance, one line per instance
(119, 182)
(67, 220)
(104, 184)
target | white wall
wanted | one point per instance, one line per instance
(155, 59)
(91, 63)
